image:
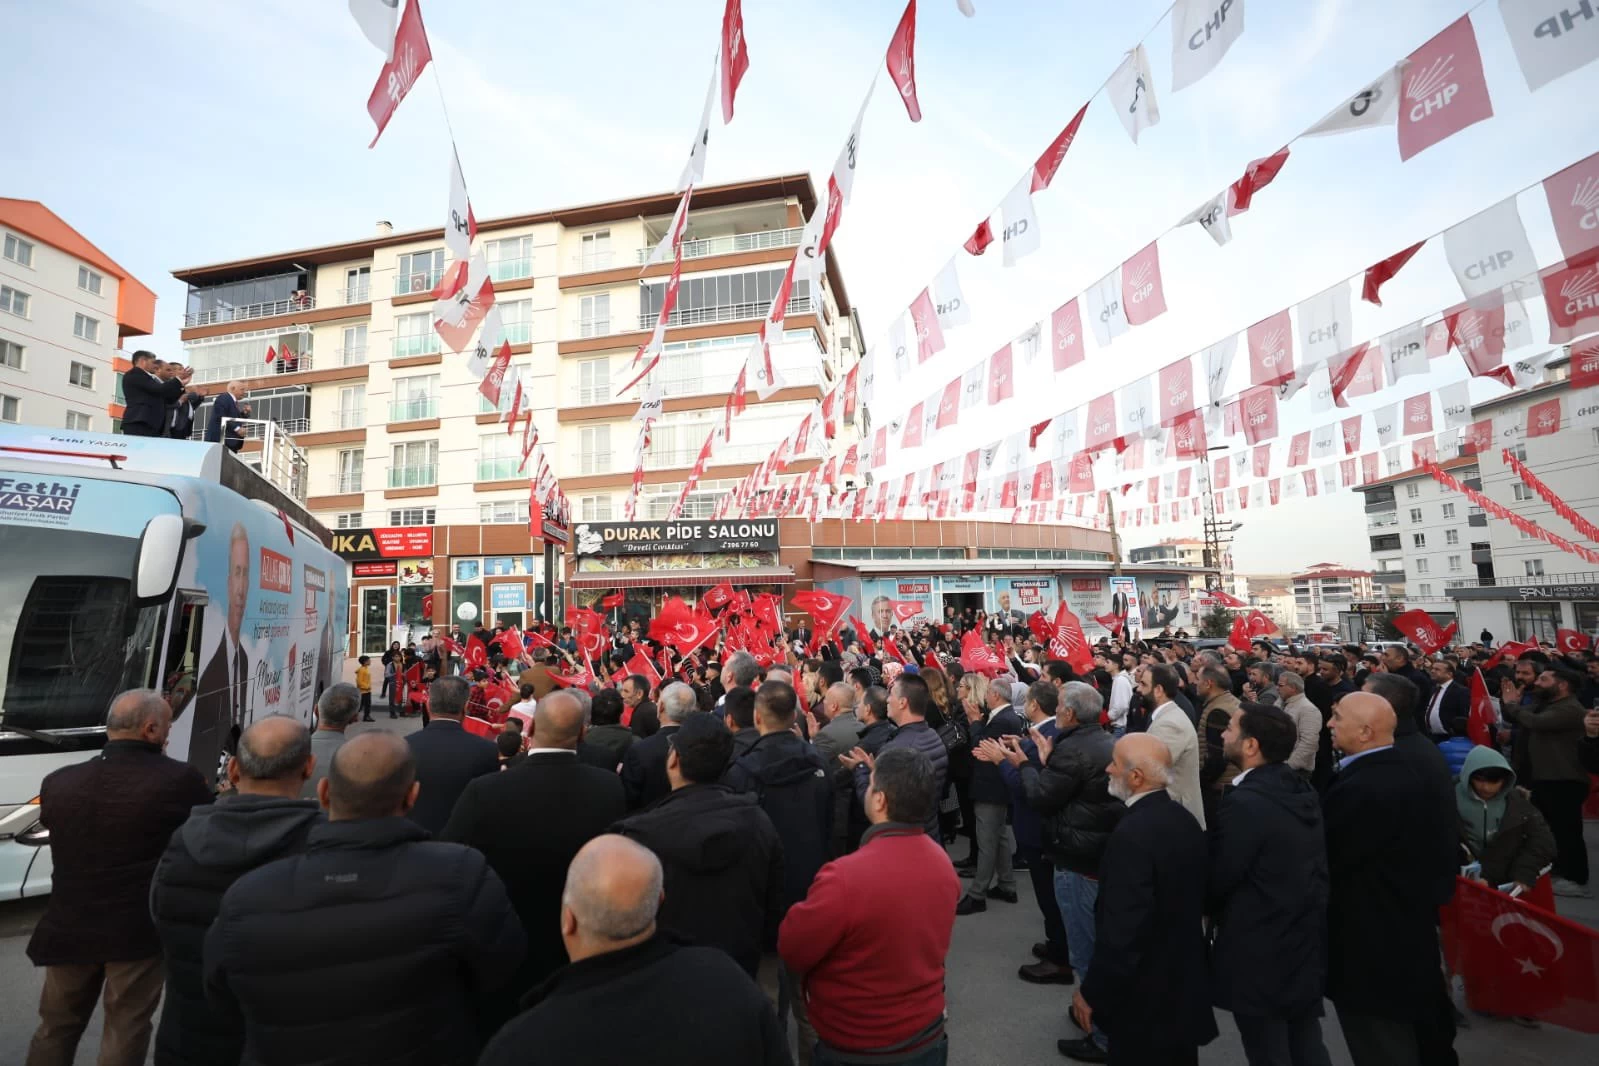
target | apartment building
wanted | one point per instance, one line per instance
(391, 422)
(1325, 589)
(65, 307)
(1189, 553)
(1426, 541)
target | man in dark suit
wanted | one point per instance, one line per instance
(529, 822)
(147, 395)
(1449, 709)
(222, 700)
(224, 409)
(447, 756)
(1152, 1002)
(1396, 660)
(644, 763)
(1388, 876)
(180, 415)
(642, 717)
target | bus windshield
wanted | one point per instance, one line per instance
(74, 639)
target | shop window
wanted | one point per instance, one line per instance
(1537, 621)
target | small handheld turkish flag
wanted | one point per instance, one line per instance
(1239, 637)
(615, 599)
(1571, 640)
(1480, 723)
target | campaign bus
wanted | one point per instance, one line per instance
(134, 562)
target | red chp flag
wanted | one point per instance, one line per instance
(1069, 642)
(1443, 90)
(1257, 175)
(1112, 622)
(902, 61)
(272, 354)
(735, 58)
(1143, 296)
(979, 657)
(1050, 161)
(826, 608)
(1382, 271)
(494, 380)
(410, 57)
(718, 596)
(1570, 641)
(1271, 350)
(615, 599)
(1521, 960)
(1423, 631)
(1480, 723)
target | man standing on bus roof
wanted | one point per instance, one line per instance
(145, 413)
(222, 702)
(224, 409)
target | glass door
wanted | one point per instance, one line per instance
(374, 620)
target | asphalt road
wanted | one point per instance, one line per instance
(994, 1015)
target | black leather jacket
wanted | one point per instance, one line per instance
(1072, 793)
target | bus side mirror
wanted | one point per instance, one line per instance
(160, 548)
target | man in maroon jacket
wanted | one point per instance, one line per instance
(874, 977)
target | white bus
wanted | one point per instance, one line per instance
(133, 562)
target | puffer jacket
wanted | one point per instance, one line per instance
(1072, 792)
(920, 736)
(790, 781)
(219, 843)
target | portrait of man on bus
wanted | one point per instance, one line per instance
(222, 702)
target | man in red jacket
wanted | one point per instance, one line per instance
(874, 977)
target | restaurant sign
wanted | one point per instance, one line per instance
(651, 538)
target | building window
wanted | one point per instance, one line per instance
(80, 422)
(14, 301)
(81, 375)
(419, 271)
(721, 298)
(595, 508)
(415, 398)
(1519, 451)
(1536, 621)
(1419, 540)
(499, 457)
(357, 285)
(414, 464)
(352, 407)
(1424, 590)
(1454, 564)
(10, 355)
(596, 250)
(1415, 515)
(1421, 566)
(594, 380)
(89, 281)
(18, 250)
(1519, 491)
(1451, 536)
(1449, 510)
(517, 319)
(503, 512)
(10, 409)
(594, 315)
(1412, 490)
(353, 351)
(1525, 534)
(412, 516)
(413, 335)
(509, 259)
(1532, 567)
(347, 520)
(594, 450)
(352, 467)
(86, 328)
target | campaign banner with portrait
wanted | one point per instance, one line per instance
(1165, 603)
(880, 593)
(1014, 598)
(1124, 602)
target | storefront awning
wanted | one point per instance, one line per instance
(660, 579)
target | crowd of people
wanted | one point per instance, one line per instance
(721, 859)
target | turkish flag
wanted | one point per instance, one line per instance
(410, 57)
(1217, 596)
(1443, 90)
(1049, 162)
(1258, 625)
(644, 666)
(1257, 175)
(980, 239)
(1271, 350)
(1239, 637)
(579, 678)
(272, 354)
(1570, 641)
(615, 599)
(902, 61)
(681, 627)
(479, 727)
(862, 635)
(477, 654)
(1070, 642)
(905, 610)
(1521, 960)
(892, 650)
(1479, 725)
(427, 606)
(1423, 631)
(1382, 271)
(735, 57)
(827, 608)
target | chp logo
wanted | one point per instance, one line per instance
(1581, 292)
(1257, 410)
(1585, 202)
(1433, 88)
(1140, 283)
(1274, 349)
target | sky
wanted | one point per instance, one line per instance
(183, 132)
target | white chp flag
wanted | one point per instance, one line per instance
(756, 365)
(868, 378)
(848, 156)
(667, 245)
(1015, 448)
(974, 387)
(1218, 367)
(653, 403)
(1212, 216)
(488, 339)
(1529, 371)
(1201, 33)
(1105, 311)
(1582, 408)
(897, 345)
(1064, 435)
(1456, 402)
(460, 227)
(1386, 419)
(1405, 352)
(694, 169)
(1550, 39)
(1132, 93)
(1489, 249)
(1020, 235)
(1325, 325)
(1375, 105)
(1324, 440)
(1318, 380)
(1135, 408)
(948, 301)
(377, 19)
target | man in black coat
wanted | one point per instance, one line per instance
(448, 758)
(1449, 708)
(225, 408)
(424, 924)
(529, 821)
(992, 844)
(643, 718)
(1146, 986)
(721, 853)
(1396, 660)
(180, 415)
(644, 762)
(109, 818)
(1388, 875)
(260, 819)
(702, 1010)
(146, 396)
(606, 739)
(1266, 893)
(1430, 765)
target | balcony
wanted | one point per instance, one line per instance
(283, 366)
(247, 312)
(413, 477)
(355, 294)
(348, 482)
(666, 459)
(504, 468)
(351, 417)
(700, 316)
(511, 269)
(418, 344)
(416, 281)
(256, 428)
(1479, 519)
(413, 410)
(1381, 520)
(519, 332)
(349, 356)
(594, 463)
(732, 243)
(577, 394)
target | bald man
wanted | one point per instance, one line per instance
(425, 924)
(702, 1008)
(529, 822)
(260, 819)
(1154, 1006)
(1389, 864)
